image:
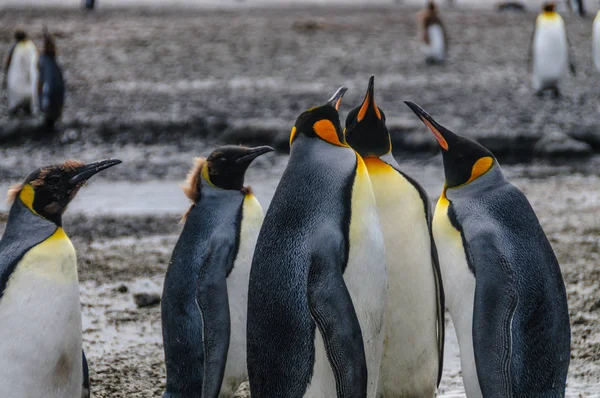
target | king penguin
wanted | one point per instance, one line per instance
(20, 74)
(51, 85)
(434, 40)
(549, 52)
(205, 296)
(414, 345)
(503, 284)
(596, 41)
(40, 311)
(319, 264)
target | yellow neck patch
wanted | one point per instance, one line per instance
(205, 175)
(480, 167)
(326, 131)
(292, 135)
(27, 194)
(549, 16)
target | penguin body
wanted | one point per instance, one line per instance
(577, 7)
(549, 50)
(51, 85)
(596, 41)
(413, 353)
(503, 284)
(39, 288)
(204, 302)
(434, 42)
(21, 73)
(316, 302)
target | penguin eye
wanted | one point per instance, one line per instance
(53, 179)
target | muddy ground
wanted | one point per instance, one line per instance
(157, 87)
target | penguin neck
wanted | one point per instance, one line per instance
(209, 190)
(22, 218)
(389, 159)
(492, 179)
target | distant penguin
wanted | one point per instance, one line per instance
(549, 55)
(596, 41)
(432, 34)
(413, 354)
(577, 7)
(318, 274)
(20, 74)
(205, 296)
(89, 4)
(40, 310)
(503, 284)
(51, 85)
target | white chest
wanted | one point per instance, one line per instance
(40, 327)
(550, 51)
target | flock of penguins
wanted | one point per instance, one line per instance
(338, 290)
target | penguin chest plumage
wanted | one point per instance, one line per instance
(550, 51)
(40, 312)
(410, 359)
(237, 287)
(22, 74)
(459, 289)
(596, 41)
(436, 47)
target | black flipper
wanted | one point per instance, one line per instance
(7, 62)
(332, 310)
(85, 389)
(24, 230)
(493, 310)
(212, 299)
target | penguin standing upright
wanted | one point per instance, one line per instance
(51, 85)
(205, 296)
(413, 354)
(319, 263)
(577, 7)
(549, 54)
(20, 74)
(40, 310)
(432, 34)
(503, 284)
(596, 41)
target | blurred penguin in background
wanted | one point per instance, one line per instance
(576, 7)
(51, 85)
(89, 4)
(20, 74)
(596, 41)
(549, 55)
(432, 35)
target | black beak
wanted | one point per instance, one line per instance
(337, 97)
(369, 102)
(437, 129)
(84, 173)
(253, 153)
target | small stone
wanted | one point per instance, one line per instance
(122, 288)
(143, 300)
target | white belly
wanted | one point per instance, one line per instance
(596, 41)
(550, 53)
(40, 324)
(410, 360)
(22, 74)
(366, 279)
(237, 287)
(459, 287)
(437, 46)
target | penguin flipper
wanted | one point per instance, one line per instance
(85, 390)
(212, 299)
(332, 310)
(7, 62)
(495, 304)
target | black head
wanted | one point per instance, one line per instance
(366, 131)
(549, 7)
(49, 190)
(20, 35)
(49, 45)
(322, 121)
(431, 6)
(464, 159)
(226, 166)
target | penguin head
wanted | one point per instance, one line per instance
(49, 45)
(322, 122)
(366, 131)
(224, 168)
(48, 191)
(464, 159)
(431, 6)
(549, 7)
(20, 34)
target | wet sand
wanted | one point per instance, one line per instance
(158, 88)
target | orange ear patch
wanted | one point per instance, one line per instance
(326, 131)
(480, 167)
(438, 136)
(292, 135)
(365, 106)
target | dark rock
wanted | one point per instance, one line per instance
(559, 144)
(122, 289)
(511, 6)
(143, 300)
(589, 134)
